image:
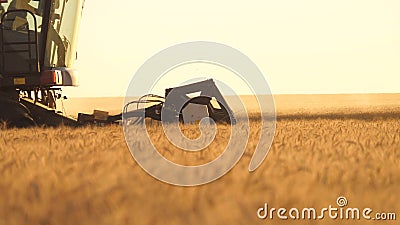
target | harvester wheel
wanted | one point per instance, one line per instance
(14, 114)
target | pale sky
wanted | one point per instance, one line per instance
(301, 46)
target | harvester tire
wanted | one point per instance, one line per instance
(14, 114)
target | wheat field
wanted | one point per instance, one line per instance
(87, 175)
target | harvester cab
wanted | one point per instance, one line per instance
(38, 41)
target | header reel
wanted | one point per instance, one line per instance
(177, 105)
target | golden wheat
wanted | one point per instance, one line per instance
(88, 176)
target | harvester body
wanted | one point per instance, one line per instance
(38, 40)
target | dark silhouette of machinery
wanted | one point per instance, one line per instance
(176, 106)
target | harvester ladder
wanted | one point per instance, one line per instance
(17, 47)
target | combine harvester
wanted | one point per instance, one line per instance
(38, 41)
